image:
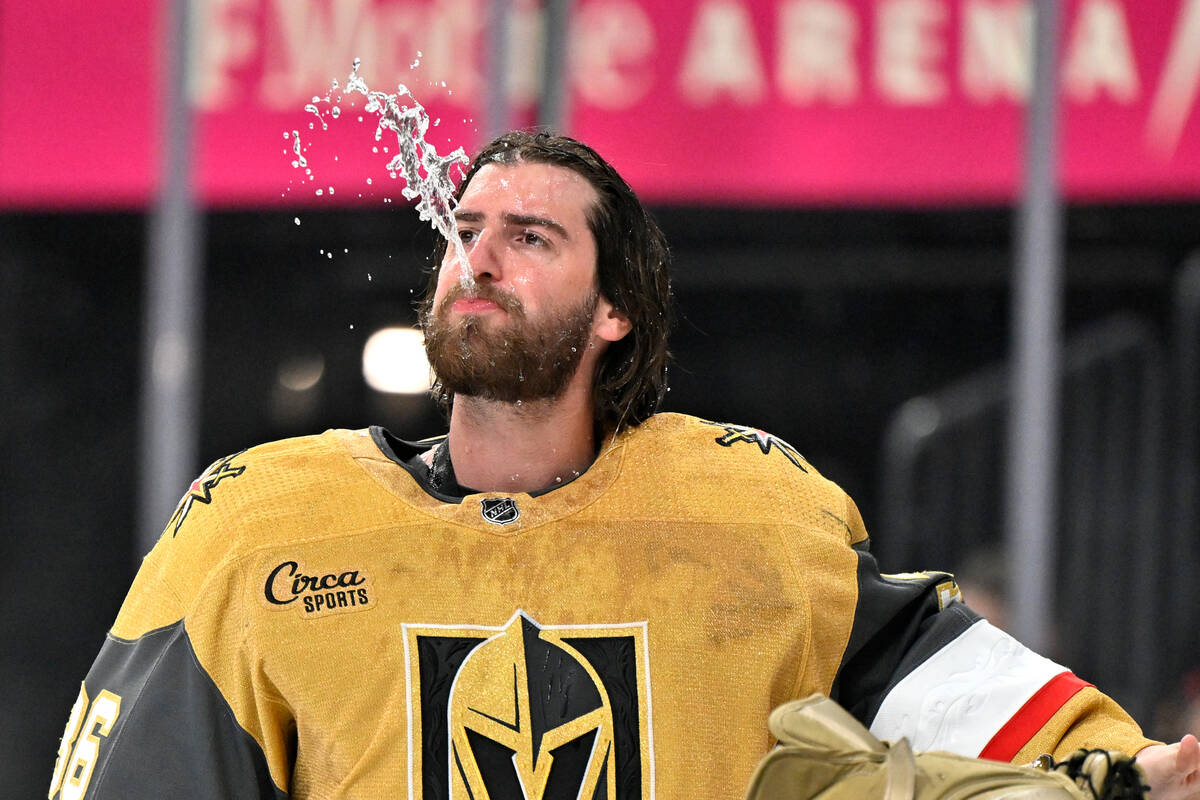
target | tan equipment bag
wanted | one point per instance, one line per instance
(826, 753)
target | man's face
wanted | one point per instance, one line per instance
(522, 331)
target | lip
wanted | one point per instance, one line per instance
(474, 305)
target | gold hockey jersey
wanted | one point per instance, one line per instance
(319, 621)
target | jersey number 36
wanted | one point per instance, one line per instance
(73, 770)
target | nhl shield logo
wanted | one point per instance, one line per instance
(499, 510)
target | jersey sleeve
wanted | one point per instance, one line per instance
(151, 720)
(921, 664)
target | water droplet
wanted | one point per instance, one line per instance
(335, 112)
(331, 190)
(296, 220)
(369, 277)
(368, 181)
(320, 192)
(285, 134)
(312, 109)
(351, 326)
(300, 160)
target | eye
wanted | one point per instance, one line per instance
(533, 238)
(466, 235)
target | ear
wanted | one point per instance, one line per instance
(608, 323)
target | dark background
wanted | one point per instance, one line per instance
(812, 324)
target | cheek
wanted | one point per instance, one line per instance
(447, 277)
(581, 277)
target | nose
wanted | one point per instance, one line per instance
(483, 252)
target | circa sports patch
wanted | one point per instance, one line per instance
(558, 712)
(316, 592)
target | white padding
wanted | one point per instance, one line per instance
(958, 699)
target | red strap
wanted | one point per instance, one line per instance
(1036, 712)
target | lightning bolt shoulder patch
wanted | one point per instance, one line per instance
(766, 442)
(201, 490)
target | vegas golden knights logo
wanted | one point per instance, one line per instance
(529, 712)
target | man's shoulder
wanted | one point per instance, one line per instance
(330, 443)
(266, 496)
(724, 455)
(282, 466)
(253, 496)
(722, 443)
(722, 469)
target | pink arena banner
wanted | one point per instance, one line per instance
(769, 102)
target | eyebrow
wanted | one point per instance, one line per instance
(515, 219)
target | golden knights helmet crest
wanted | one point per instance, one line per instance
(529, 718)
(529, 712)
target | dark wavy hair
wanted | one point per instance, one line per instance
(632, 264)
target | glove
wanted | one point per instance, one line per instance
(826, 753)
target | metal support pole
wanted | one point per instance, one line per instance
(1032, 475)
(499, 26)
(552, 103)
(172, 335)
(1183, 607)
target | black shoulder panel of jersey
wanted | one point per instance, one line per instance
(899, 622)
(175, 735)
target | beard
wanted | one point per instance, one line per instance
(518, 361)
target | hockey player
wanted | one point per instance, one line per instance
(567, 596)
